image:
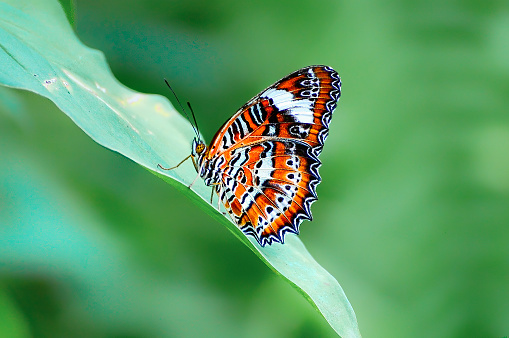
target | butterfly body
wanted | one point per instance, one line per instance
(263, 162)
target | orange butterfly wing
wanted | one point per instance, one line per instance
(267, 153)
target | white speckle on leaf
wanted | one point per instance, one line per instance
(48, 83)
(100, 88)
(135, 98)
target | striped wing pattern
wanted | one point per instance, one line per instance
(264, 160)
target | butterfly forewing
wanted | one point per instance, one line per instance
(267, 153)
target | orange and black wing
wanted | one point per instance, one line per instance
(268, 153)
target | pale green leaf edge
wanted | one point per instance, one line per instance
(80, 83)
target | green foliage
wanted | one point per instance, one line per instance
(45, 57)
(412, 216)
(69, 7)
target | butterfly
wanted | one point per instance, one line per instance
(263, 162)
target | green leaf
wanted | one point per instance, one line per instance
(69, 7)
(12, 323)
(40, 53)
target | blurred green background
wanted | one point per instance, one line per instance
(414, 205)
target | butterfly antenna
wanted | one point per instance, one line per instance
(192, 113)
(182, 108)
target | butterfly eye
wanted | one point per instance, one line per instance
(200, 148)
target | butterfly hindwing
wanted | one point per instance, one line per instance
(268, 152)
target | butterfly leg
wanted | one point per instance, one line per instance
(160, 166)
(218, 202)
(190, 185)
(195, 164)
(212, 193)
(218, 198)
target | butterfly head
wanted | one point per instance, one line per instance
(199, 148)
